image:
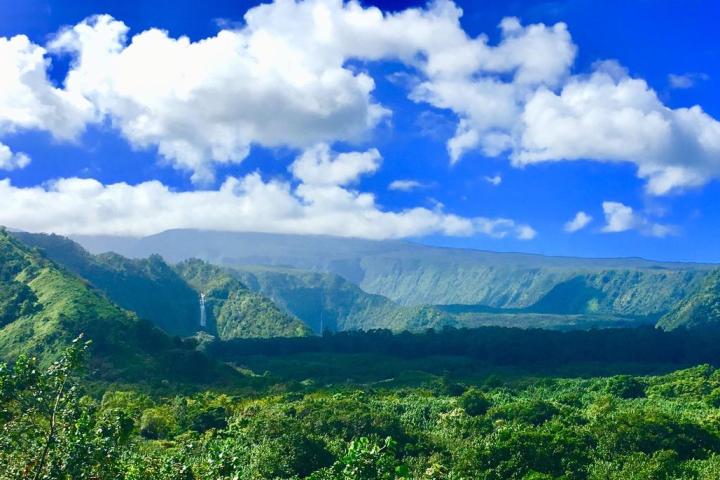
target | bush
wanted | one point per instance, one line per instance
(626, 386)
(474, 402)
(157, 423)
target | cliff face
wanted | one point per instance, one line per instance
(700, 309)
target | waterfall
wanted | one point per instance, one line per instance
(203, 319)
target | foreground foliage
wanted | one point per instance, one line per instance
(620, 427)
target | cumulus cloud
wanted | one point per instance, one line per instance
(28, 101)
(578, 222)
(292, 75)
(613, 118)
(486, 85)
(282, 78)
(12, 161)
(286, 77)
(205, 103)
(249, 203)
(27, 98)
(525, 232)
(621, 218)
(318, 166)
(405, 185)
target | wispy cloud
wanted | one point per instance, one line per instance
(686, 80)
(10, 160)
(494, 180)
(405, 185)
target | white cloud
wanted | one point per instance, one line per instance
(10, 160)
(526, 232)
(614, 119)
(687, 80)
(249, 203)
(318, 166)
(28, 101)
(285, 77)
(488, 105)
(618, 217)
(27, 98)
(579, 221)
(205, 103)
(621, 218)
(282, 79)
(494, 180)
(405, 185)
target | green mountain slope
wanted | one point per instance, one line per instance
(169, 297)
(329, 302)
(412, 274)
(701, 309)
(148, 287)
(235, 311)
(341, 305)
(631, 293)
(45, 307)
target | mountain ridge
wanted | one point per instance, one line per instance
(415, 275)
(94, 244)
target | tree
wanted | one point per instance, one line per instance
(48, 429)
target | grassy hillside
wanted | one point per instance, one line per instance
(701, 309)
(169, 297)
(45, 307)
(412, 274)
(148, 287)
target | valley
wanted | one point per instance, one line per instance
(401, 285)
(300, 373)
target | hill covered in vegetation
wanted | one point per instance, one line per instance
(169, 296)
(700, 309)
(329, 302)
(44, 307)
(260, 301)
(489, 403)
(235, 311)
(575, 293)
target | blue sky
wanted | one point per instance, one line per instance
(662, 204)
